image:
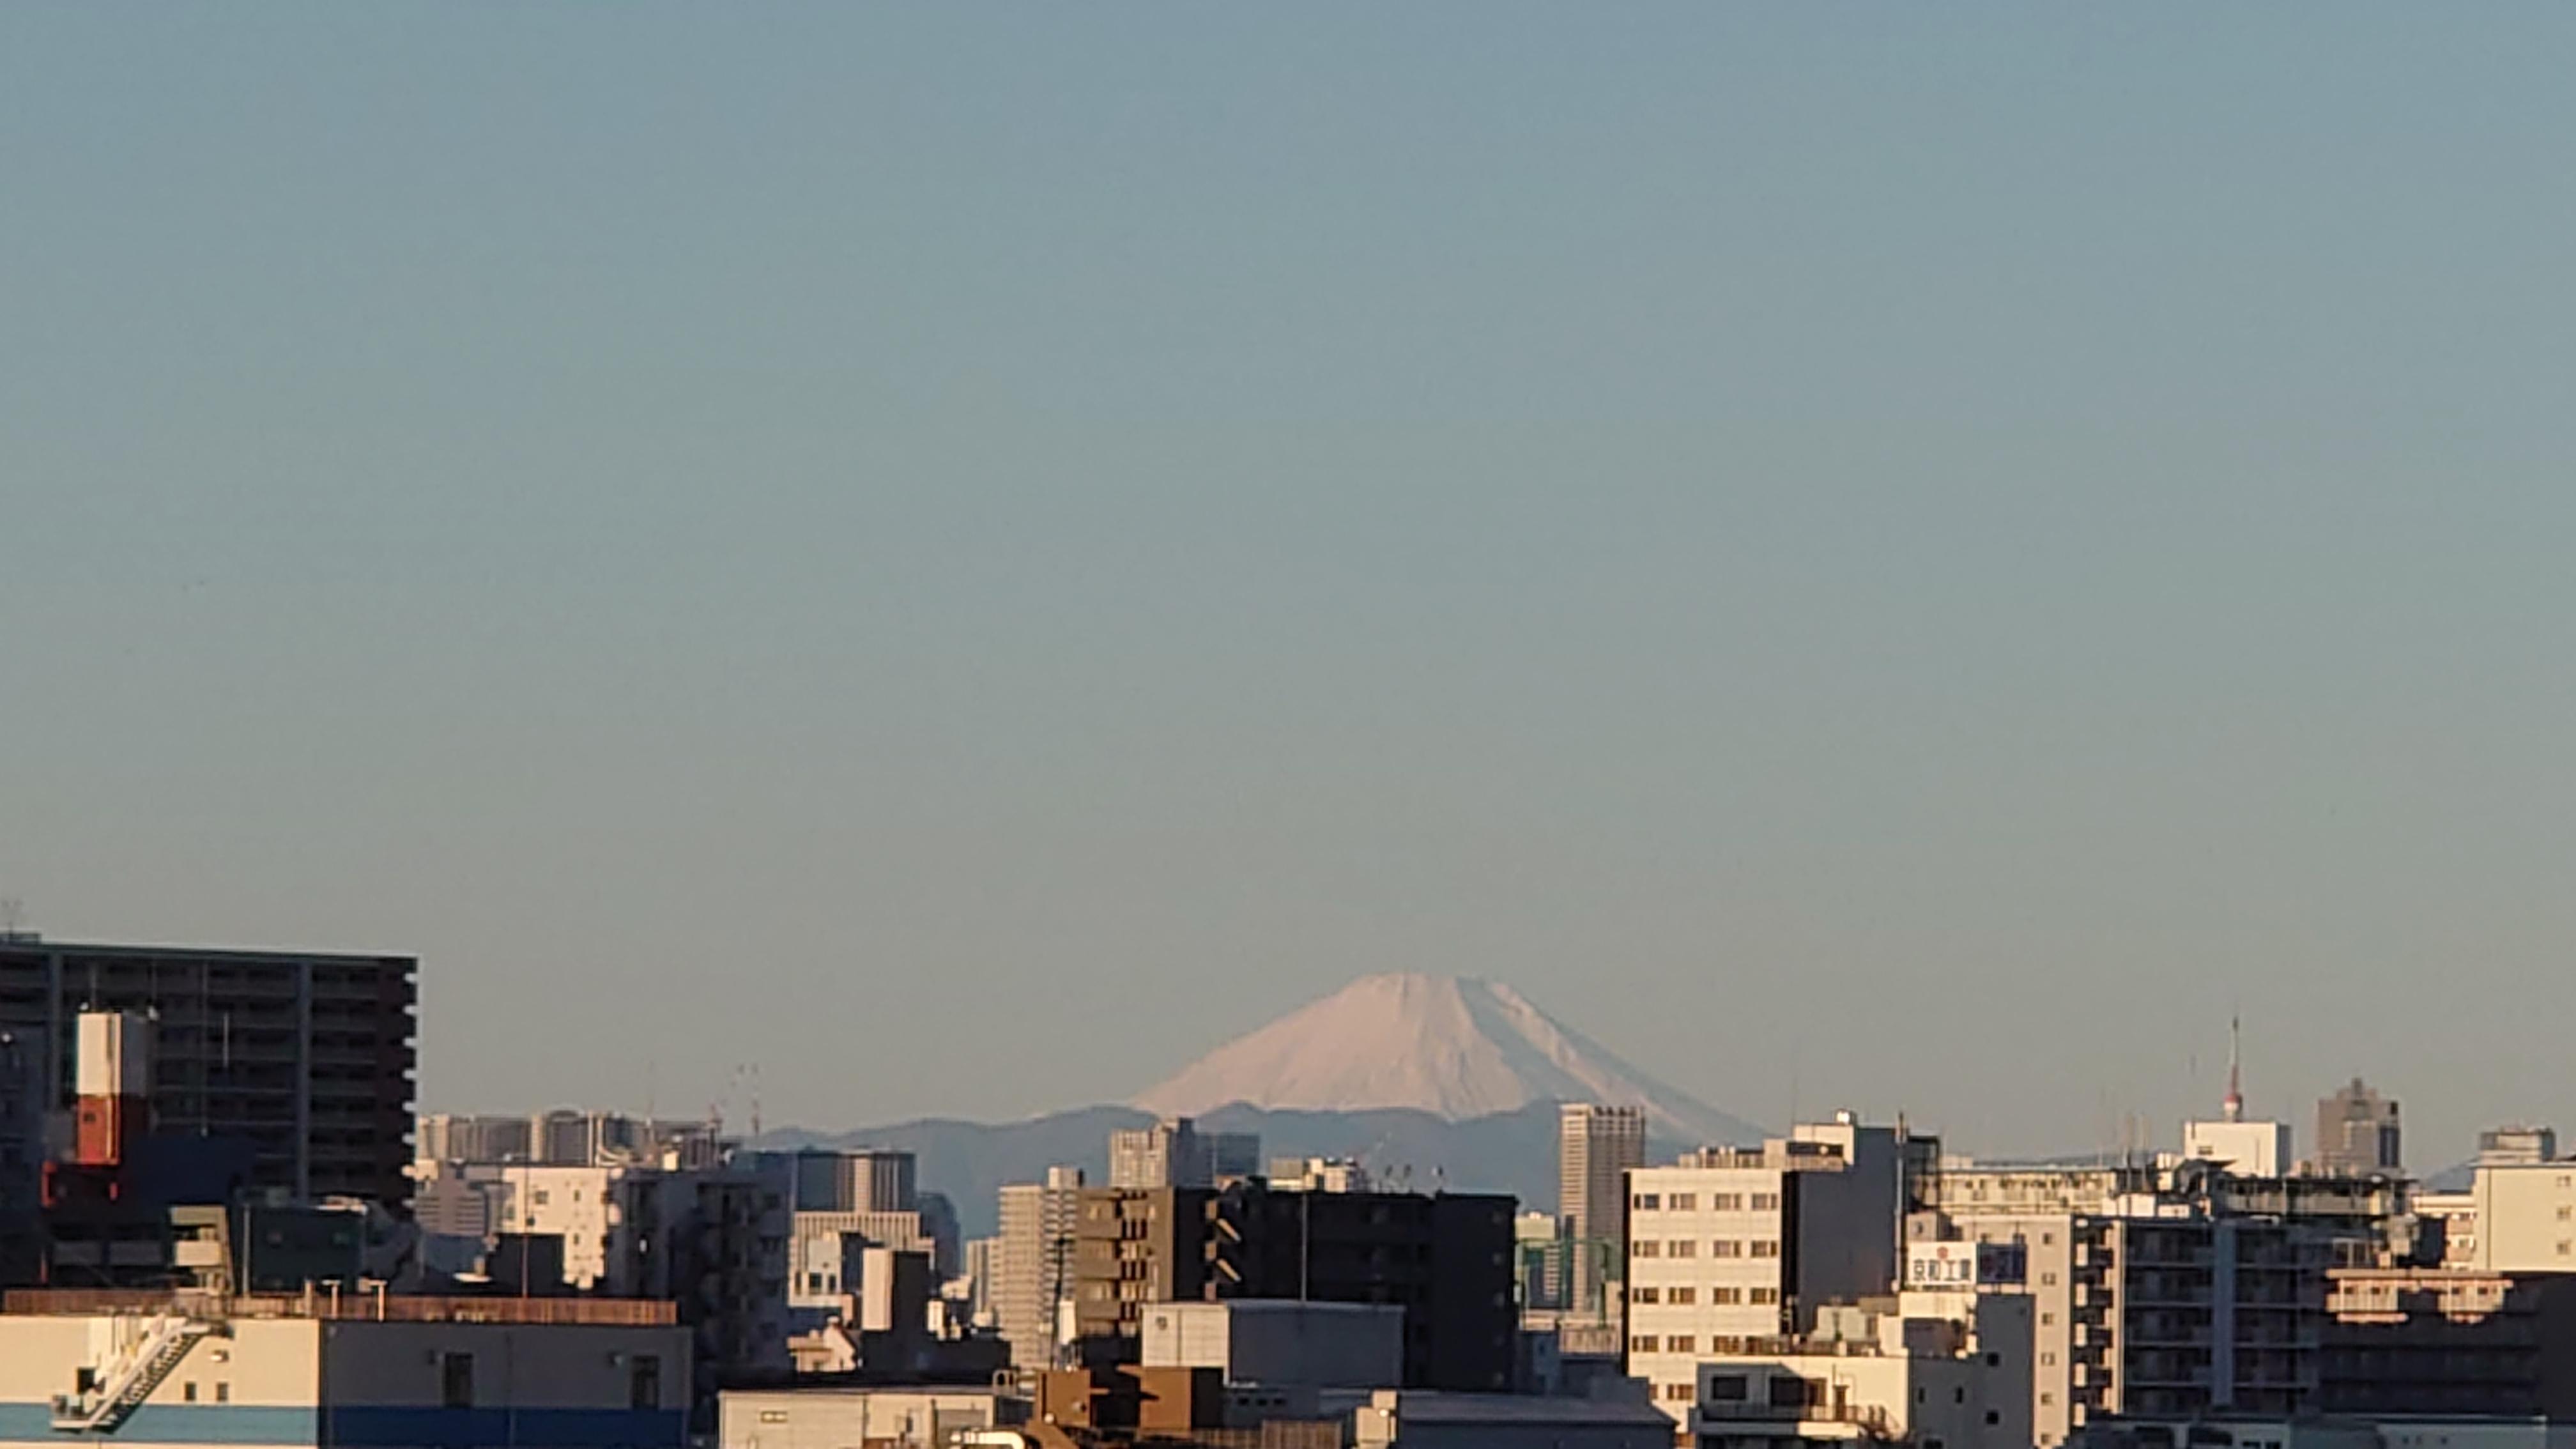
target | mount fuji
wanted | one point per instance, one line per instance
(1428, 1080)
(1457, 1048)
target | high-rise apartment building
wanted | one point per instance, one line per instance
(1596, 1147)
(1733, 1249)
(2162, 1291)
(307, 1057)
(1033, 1268)
(2357, 1134)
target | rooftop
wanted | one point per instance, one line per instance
(382, 1308)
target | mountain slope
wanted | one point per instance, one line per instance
(1455, 1048)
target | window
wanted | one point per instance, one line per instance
(1645, 1248)
(1642, 1343)
(2047, 1319)
(2563, 1212)
(773, 1416)
(1681, 1343)
(1958, 1396)
(223, 1391)
(188, 1392)
(456, 1381)
(1645, 1295)
(2046, 1399)
(1729, 1388)
(1725, 1248)
(1766, 1202)
(644, 1382)
(541, 1197)
(1682, 1296)
(1722, 1295)
(1766, 1248)
(1680, 1393)
(1763, 1295)
(1727, 1202)
(2048, 1280)
(1993, 1417)
(1789, 1391)
(1646, 1202)
(1683, 1202)
(2048, 1359)
(1682, 1248)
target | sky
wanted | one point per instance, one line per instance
(1901, 556)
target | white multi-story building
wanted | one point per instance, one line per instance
(1036, 1269)
(1735, 1248)
(1914, 1376)
(2522, 1218)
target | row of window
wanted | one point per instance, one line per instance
(1722, 1295)
(1718, 1202)
(1717, 1248)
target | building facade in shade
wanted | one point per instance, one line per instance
(1033, 1263)
(1596, 1147)
(2357, 1134)
(22, 1158)
(1445, 1258)
(2439, 1341)
(1735, 1248)
(308, 1058)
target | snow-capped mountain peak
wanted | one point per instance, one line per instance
(1457, 1047)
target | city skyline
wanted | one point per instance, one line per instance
(1997, 538)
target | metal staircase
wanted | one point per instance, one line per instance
(130, 1377)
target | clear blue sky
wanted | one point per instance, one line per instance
(966, 553)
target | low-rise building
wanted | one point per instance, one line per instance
(1412, 1419)
(1280, 1342)
(1896, 1371)
(347, 1370)
(894, 1417)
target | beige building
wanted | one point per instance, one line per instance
(1900, 1372)
(1034, 1263)
(2522, 1217)
(1734, 1248)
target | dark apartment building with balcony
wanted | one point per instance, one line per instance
(1445, 1258)
(307, 1057)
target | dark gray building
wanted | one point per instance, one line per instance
(308, 1057)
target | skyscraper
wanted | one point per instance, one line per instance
(1171, 1153)
(1596, 1146)
(1035, 1271)
(2357, 1133)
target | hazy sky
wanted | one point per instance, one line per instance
(967, 553)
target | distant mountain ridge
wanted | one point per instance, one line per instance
(1513, 1152)
(1430, 1081)
(1454, 1047)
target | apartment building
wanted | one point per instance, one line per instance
(2417, 1341)
(1445, 1258)
(2163, 1291)
(307, 1057)
(1733, 1248)
(1913, 1375)
(1033, 1263)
